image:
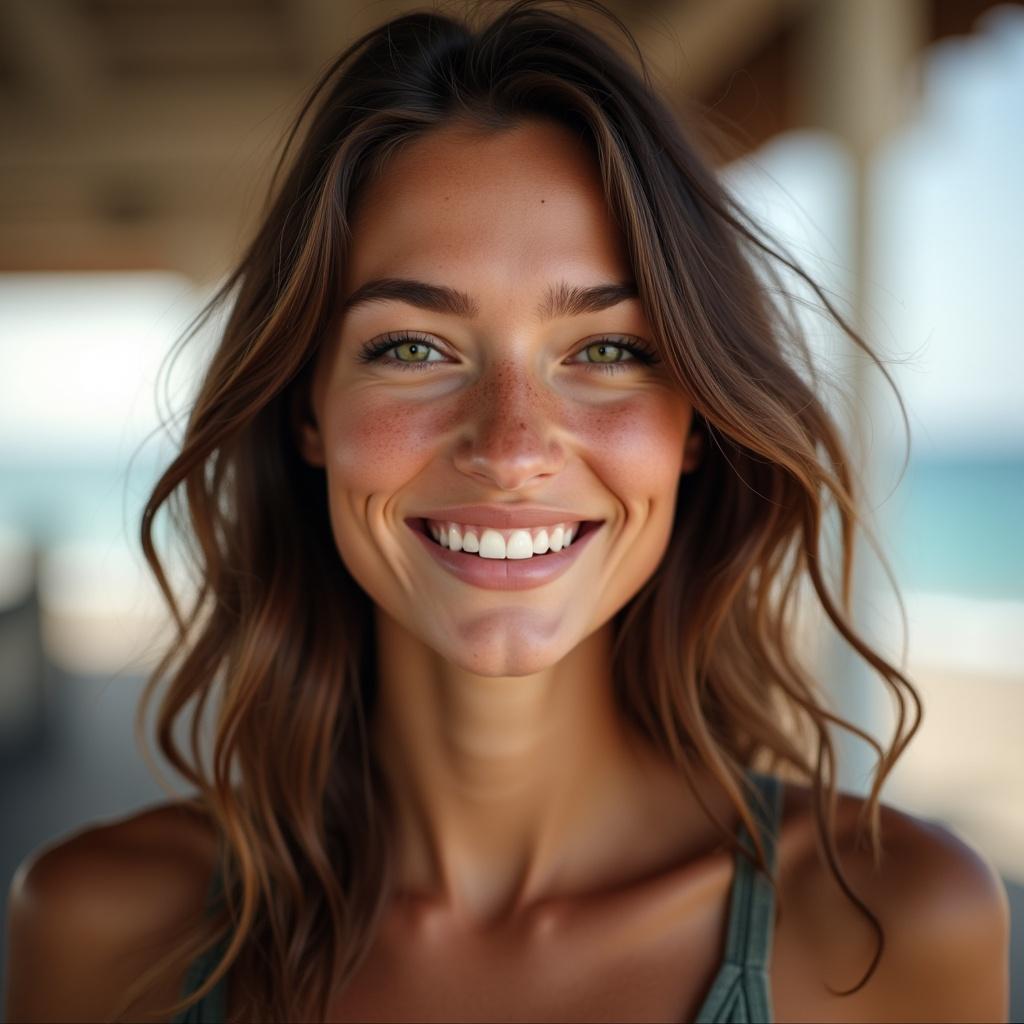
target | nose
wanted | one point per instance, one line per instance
(510, 434)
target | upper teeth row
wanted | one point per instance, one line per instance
(490, 543)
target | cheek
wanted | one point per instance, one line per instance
(637, 444)
(375, 444)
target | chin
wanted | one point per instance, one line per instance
(497, 651)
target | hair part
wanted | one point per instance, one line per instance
(275, 643)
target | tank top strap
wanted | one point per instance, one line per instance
(741, 991)
(212, 1008)
(752, 902)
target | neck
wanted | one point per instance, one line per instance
(508, 790)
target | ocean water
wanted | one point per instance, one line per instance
(92, 500)
(953, 525)
(956, 525)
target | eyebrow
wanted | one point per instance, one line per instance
(562, 299)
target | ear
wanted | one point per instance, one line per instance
(304, 426)
(693, 452)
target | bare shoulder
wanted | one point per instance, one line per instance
(942, 906)
(89, 912)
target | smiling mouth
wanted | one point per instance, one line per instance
(493, 552)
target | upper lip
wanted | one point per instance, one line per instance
(505, 517)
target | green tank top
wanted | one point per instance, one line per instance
(740, 992)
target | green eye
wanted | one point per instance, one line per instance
(418, 351)
(618, 355)
(417, 348)
(608, 352)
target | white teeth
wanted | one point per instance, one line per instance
(514, 544)
(492, 544)
(519, 545)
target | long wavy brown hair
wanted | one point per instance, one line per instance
(273, 672)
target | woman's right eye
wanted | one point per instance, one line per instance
(412, 352)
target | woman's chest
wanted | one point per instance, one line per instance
(629, 988)
(626, 965)
(633, 979)
(649, 957)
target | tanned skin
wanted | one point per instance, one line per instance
(550, 865)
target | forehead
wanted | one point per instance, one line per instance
(505, 206)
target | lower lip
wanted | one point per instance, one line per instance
(506, 573)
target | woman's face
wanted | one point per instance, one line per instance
(500, 404)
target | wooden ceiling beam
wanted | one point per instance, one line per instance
(325, 27)
(693, 44)
(53, 54)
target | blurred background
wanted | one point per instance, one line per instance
(879, 140)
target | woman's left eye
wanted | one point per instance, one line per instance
(608, 354)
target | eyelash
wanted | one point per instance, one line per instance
(373, 350)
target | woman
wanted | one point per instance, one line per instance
(499, 486)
